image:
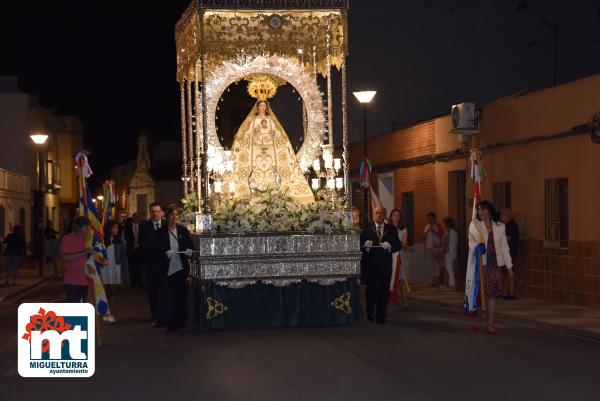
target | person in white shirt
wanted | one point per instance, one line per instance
(175, 247)
(432, 236)
(450, 251)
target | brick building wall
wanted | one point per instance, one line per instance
(414, 141)
(570, 275)
(409, 143)
(420, 180)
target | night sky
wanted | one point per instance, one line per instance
(112, 63)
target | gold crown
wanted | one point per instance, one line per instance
(262, 86)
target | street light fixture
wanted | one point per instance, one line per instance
(364, 98)
(39, 140)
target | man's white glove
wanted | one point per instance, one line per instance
(170, 253)
(386, 245)
(189, 253)
(368, 244)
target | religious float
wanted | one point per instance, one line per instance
(272, 230)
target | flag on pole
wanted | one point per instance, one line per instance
(365, 173)
(478, 173)
(97, 258)
(109, 201)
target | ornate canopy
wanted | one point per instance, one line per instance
(312, 32)
(219, 42)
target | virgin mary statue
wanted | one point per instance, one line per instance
(263, 158)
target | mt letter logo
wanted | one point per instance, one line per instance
(56, 340)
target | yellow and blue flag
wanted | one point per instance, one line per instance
(97, 258)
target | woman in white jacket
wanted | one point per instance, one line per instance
(488, 247)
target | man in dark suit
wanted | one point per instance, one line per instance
(131, 232)
(150, 258)
(378, 242)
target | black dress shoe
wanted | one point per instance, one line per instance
(156, 324)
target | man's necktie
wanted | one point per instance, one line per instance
(379, 235)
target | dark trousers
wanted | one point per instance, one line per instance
(152, 285)
(175, 299)
(378, 294)
(134, 260)
(76, 293)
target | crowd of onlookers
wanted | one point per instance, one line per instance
(385, 266)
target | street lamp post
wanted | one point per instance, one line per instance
(38, 200)
(365, 97)
(100, 205)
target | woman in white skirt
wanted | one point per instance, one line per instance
(399, 284)
(116, 262)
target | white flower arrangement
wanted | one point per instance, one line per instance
(188, 214)
(274, 211)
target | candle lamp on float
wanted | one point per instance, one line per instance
(326, 173)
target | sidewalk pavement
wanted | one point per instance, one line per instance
(561, 318)
(27, 278)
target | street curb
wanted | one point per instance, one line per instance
(563, 330)
(29, 288)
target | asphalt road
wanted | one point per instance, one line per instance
(422, 354)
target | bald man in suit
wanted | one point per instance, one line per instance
(378, 242)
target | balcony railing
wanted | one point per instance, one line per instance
(12, 182)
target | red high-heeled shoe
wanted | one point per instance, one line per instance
(492, 330)
(474, 327)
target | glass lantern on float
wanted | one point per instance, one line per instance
(326, 171)
(220, 166)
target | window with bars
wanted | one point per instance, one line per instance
(557, 212)
(501, 195)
